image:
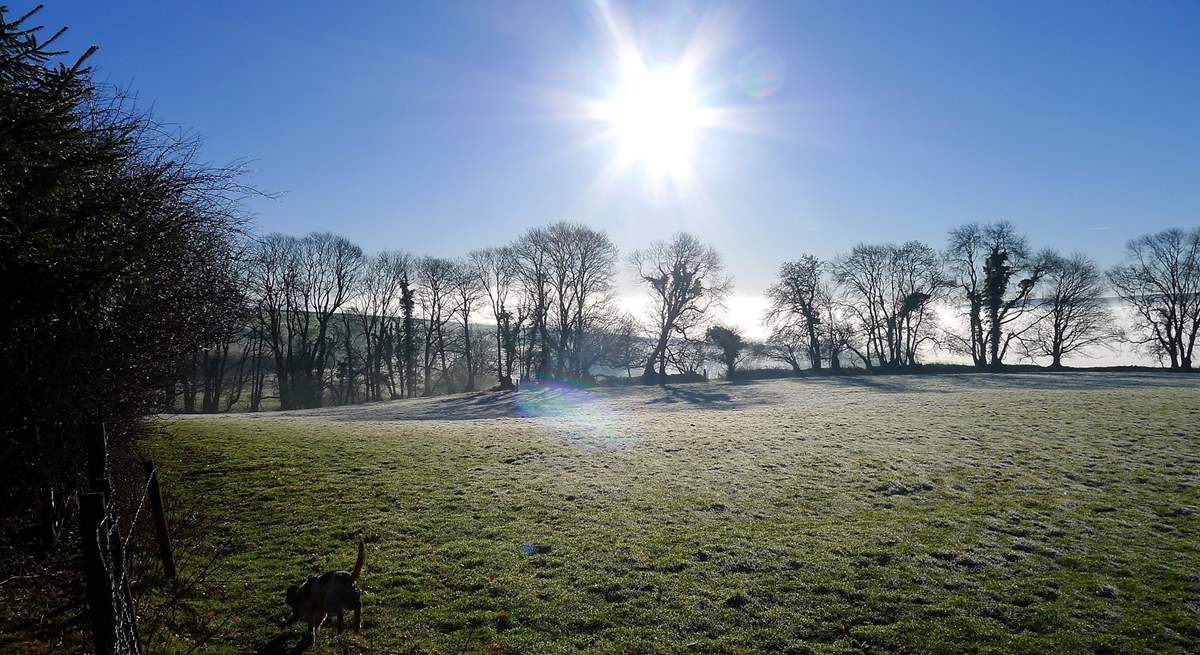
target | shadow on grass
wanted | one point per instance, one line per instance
(937, 382)
(460, 407)
(278, 645)
(551, 399)
(691, 395)
(874, 383)
(488, 404)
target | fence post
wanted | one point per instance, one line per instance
(99, 587)
(97, 452)
(160, 520)
(109, 602)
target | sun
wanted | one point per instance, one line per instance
(654, 119)
(653, 110)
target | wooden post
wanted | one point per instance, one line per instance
(99, 585)
(109, 602)
(97, 451)
(160, 520)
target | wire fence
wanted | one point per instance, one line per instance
(125, 636)
(111, 606)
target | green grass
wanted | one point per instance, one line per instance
(955, 514)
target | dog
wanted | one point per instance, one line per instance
(330, 593)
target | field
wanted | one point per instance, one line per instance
(1026, 513)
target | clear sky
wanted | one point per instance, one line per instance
(445, 126)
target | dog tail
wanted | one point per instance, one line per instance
(358, 563)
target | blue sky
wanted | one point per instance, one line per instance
(442, 127)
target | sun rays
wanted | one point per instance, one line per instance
(655, 115)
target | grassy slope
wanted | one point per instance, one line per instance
(960, 514)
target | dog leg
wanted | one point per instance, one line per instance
(357, 613)
(341, 627)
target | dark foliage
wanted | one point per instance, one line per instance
(729, 345)
(116, 260)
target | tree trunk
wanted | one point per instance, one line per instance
(500, 356)
(258, 374)
(408, 344)
(470, 386)
(814, 345)
(659, 353)
(349, 360)
(428, 381)
(370, 370)
(994, 334)
(441, 351)
(978, 343)
(189, 388)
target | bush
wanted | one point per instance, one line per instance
(117, 253)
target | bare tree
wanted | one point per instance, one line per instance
(375, 305)
(532, 256)
(796, 304)
(513, 336)
(688, 356)
(1160, 282)
(622, 344)
(889, 291)
(983, 260)
(566, 270)
(301, 284)
(327, 270)
(346, 370)
(788, 343)
(435, 295)
(377, 294)
(467, 293)
(685, 279)
(273, 276)
(530, 341)
(590, 260)
(249, 369)
(917, 280)
(1074, 316)
(495, 268)
(836, 333)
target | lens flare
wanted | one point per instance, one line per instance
(579, 414)
(760, 74)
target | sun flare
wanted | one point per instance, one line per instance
(654, 119)
(654, 110)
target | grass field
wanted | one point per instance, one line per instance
(940, 514)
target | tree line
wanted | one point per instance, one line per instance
(877, 303)
(321, 322)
